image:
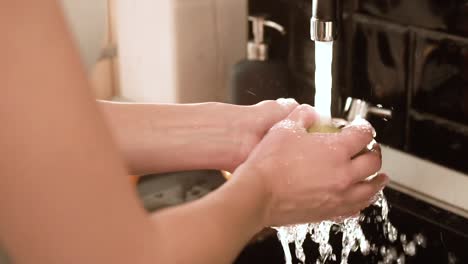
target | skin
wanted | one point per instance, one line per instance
(65, 196)
(162, 138)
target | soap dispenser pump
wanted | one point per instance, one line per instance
(257, 78)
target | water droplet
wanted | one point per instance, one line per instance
(365, 248)
(403, 238)
(390, 256)
(420, 240)
(452, 259)
(401, 259)
(391, 231)
(383, 250)
(410, 249)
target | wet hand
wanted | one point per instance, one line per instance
(309, 177)
(250, 124)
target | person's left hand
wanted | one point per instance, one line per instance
(249, 124)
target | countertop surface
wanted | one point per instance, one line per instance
(427, 181)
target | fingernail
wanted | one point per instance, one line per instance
(286, 102)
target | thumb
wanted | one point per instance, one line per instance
(278, 109)
(304, 116)
(274, 111)
(301, 118)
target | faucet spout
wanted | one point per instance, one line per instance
(323, 25)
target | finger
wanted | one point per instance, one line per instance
(288, 104)
(301, 118)
(363, 194)
(274, 111)
(365, 165)
(355, 137)
(280, 108)
(304, 115)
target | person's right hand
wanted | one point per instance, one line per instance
(309, 177)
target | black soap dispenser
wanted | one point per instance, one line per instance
(257, 78)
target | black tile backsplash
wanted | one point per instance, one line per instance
(444, 15)
(439, 140)
(440, 78)
(379, 72)
(304, 89)
(301, 53)
(407, 55)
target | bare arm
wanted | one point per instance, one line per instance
(64, 195)
(169, 137)
(160, 138)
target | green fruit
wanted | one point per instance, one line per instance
(323, 128)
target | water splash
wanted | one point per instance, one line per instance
(353, 238)
(320, 234)
(286, 235)
(301, 234)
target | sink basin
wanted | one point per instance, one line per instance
(169, 189)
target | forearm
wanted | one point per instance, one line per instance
(161, 138)
(213, 229)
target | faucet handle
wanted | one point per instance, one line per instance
(355, 108)
(380, 112)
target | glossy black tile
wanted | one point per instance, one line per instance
(302, 51)
(439, 140)
(440, 80)
(437, 216)
(379, 73)
(445, 15)
(342, 83)
(349, 6)
(303, 89)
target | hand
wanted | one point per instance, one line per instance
(249, 124)
(306, 177)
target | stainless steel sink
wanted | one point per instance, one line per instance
(163, 190)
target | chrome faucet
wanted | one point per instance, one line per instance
(355, 108)
(324, 21)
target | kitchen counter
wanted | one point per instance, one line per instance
(427, 181)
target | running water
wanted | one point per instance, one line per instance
(353, 236)
(323, 78)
